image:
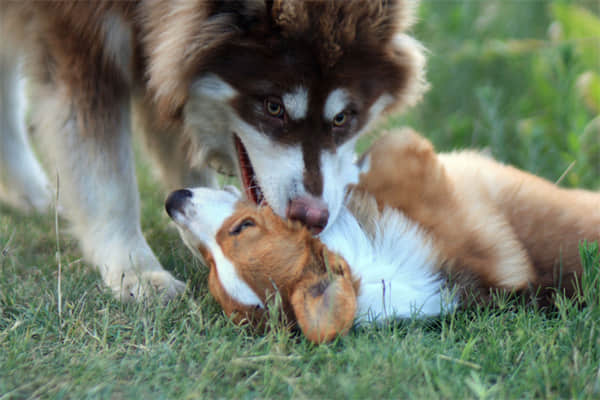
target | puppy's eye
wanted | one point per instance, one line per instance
(274, 108)
(237, 229)
(340, 119)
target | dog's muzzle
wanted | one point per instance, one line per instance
(310, 211)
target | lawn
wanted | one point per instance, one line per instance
(518, 78)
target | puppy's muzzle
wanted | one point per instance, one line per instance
(176, 201)
(310, 211)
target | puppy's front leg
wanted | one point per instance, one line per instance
(401, 170)
(92, 153)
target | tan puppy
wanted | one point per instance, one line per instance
(253, 255)
(414, 226)
(493, 224)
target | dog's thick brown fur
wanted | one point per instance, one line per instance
(174, 41)
(198, 76)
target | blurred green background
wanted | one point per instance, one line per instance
(518, 77)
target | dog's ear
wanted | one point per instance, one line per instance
(405, 53)
(325, 305)
(181, 37)
(388, 18)
(406, 12)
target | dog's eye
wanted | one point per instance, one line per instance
(248, 222)
(274, 108)
(340, 119)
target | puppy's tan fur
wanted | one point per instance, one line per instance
(494, 225)
(275, 256)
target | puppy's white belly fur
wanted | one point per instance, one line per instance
(396, 268)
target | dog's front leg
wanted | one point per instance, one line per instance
(93, 157)
(23, 183)
(168, 147)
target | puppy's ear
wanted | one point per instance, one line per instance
(325, 307)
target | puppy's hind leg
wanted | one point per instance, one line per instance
(93, 156)
(23, 183)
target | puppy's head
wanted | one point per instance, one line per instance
(279, 91)
(253, 255)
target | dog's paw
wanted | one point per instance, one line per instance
(136, 287)
(132, 272)
(27, 191)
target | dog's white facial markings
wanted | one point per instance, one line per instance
(279, 169)
(198, 222)
(296, 103)
(213, 87)
(285, 182)
(377, 108)
(338, 171)
(336, 102)
(397, 266)
(118, 41)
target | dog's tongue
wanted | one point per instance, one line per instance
(309, 210)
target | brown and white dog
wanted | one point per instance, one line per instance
(275, 91)
(418, 226)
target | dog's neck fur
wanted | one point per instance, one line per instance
(394, 259)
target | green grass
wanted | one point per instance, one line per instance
(497, 82)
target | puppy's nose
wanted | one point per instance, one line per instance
(176, 200)
(309, 210)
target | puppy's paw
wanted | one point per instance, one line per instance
(404, 172)
(324, 309)
(400, 147)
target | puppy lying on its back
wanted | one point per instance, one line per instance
(495, 226)
(415, 224)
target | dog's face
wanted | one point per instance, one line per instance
(289, 86)
(253, 254)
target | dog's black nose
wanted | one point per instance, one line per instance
(310, 211)
(176, 200)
